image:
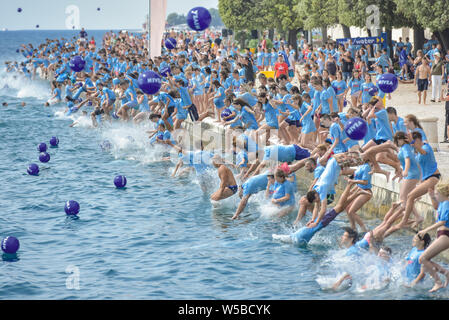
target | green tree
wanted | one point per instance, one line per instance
(434, 15)
(172, 19)
(216, 19)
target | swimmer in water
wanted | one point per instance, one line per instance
(228, 185)
(305, 234)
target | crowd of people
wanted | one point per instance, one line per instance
(280, 124)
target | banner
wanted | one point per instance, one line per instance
(382, 40)
(158, 12)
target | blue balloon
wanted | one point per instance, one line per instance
(54, 141)
(42, 147)
(170, 43)
(33, 169)
(387, 82)
(106, 145)
(199, 18)
(120, 181)
(373, 91)
(98, 9)
(10, 245)
(17, 50)
(226, 113)
(44, 157)
(37, 26)
(77, 63)
(19, 10)
(72, 208)
(165, 71)
(356, 128)
(149, 82)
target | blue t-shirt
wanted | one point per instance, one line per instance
(443, 213)
(255, 184)
(383, 126)
(413, 268)
(339, 86)
(427, 161)
(328, 179)
(406, 151)
(336, 132)
(362, 173)
(270, 115)
(280, 153)
(281, 190)
(399, 126)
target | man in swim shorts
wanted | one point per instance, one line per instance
(252, 186)
(228, 186)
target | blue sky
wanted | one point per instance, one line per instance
(114, 14)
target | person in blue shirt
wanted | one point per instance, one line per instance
(308, 130)
(218, 98)
(398, 122)
(365, 88)
(440, 201)
(252, 186)
(303, 235)
(56, 98)
(412, 124)
(429, 179)
(413, 269)
(283, 193)
(271, 120)
(246, 115)
(355, 84)
(341, 88)
(131, 100)
(335, 133)
(266, 59)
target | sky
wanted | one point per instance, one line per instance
(114, 14)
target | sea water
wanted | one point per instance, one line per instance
(160, 237)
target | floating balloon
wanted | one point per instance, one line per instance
(33, 169)
(114, 115)
(149, 82)
(37, 26)
(77, 64)
(98, 9)
(19, 10)
(72, 208)
(387, 82)
(120, 181)
(44, 157)
(165, 71)
(373, 91)
(10, 245)
(106, 145)
(17, 50)
(170, 43)
(356, 128)
(54, 141)
(226, 113)
(199, 18)
(42, 147)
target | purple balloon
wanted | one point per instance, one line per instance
(373, 91)
(356, 128)
(120, 181)
(226, 113)
(33, 169)
(72, 208)
(37, 26)
(165, 71)
(387, 82)
(44, 157)
(10, 245)
(19, 10)
(170, 43)
(149, 82)
(54, 141)
(42, 147)
(77, 64)
(199, 18)
(98, 9)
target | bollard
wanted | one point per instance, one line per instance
(430, 127)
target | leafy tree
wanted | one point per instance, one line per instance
(216, 19)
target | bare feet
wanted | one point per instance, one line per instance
(437, 286)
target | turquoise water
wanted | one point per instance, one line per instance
(160, 238)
